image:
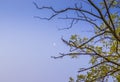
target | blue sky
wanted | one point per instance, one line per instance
(27, 43)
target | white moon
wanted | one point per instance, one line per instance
(54, 44)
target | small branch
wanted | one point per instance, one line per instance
(108, 12)
(72, 54)
(82, 70)
(83, 19)
(71, 25)
(109, 7)
(103, 39)
(52, 16)
(91, 39)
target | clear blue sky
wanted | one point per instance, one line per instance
(26, 44)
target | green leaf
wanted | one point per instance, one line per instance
(73, 37)
(81, 76)
(93, 60)
(71, 79)
(118, 78)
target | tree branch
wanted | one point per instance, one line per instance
(107, 9)
(82, 70)
(66, 9)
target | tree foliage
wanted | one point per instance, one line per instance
(103, 47)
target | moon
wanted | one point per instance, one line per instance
(54, 44)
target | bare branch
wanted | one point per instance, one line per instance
(107, 9)
(66, 9)
(110, 38)
(71, 25)
(72, 54)
(52, 16)
(82, 19)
